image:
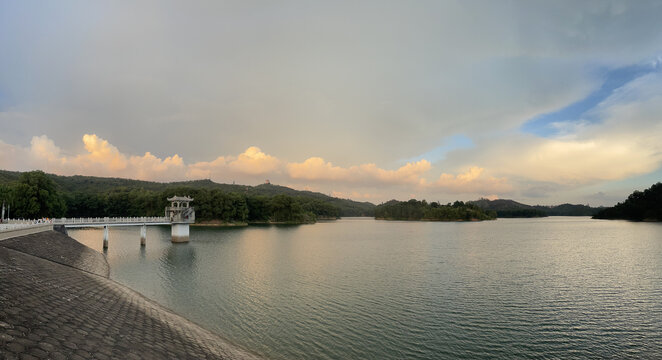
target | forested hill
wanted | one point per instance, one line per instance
(511, 209)
(639, 206)
(79, 187)
(414, 210)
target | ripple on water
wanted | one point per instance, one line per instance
(512, 288)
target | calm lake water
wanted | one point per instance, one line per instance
(358, 288)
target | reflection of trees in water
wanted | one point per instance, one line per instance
(179, 257)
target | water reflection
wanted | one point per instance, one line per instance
(511, 288)
(179, 256)
(179, 271)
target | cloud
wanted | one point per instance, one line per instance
(624, 140)
(473, 181)
(578, 162)
(41, 147)
(362, 84)
(100, 159)
(361, 182)
(316, 168)
(355, 195)
(254, 162)
(389, 79)
(100, 151)
(248, 164)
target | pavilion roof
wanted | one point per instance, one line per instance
(180, 198)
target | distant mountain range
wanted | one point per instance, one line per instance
(96, 185)
(512, 209)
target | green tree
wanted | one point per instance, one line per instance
(421, 210)
(258, 208)
(6, 197)
(35, 196)
(285, 208)
(639, 206)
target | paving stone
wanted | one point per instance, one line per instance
(15, 347)
(58, 356)
(59, 304)
(8, 356)
(13, 332)
(39, 353)
(83, 353)
(101, 356)
(46, 346)
(70, 345)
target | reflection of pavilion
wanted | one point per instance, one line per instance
(178, 269)
(181, 215)
(179, 257)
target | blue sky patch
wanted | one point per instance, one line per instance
(545, 125)
(450, 143)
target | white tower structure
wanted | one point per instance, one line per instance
(181, 215)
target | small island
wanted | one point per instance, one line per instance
(639, 206)
(423, 211)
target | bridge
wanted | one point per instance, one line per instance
(110, 221)
(178, 215)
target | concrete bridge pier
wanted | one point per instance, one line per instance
(143, 234)
(105, 236)
(180, 233)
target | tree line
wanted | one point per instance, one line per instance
(434, 211)
(639, 206)
(35, 195)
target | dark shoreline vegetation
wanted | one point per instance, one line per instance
(513, 209)
(424, 211)
(639, 206)
(37, 195)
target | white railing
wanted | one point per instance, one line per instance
(17, 227)
(111, 220)
(8, 224)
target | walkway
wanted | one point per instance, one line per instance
(56, 302)
(112, 221)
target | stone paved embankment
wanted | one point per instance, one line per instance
(57, 247)
(60, 304)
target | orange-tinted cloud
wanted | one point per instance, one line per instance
(578, 162)
(101, 158)
(355, 195)
(316, 169)
(473, 181)
(251, 162)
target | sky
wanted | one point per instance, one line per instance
(540, 102)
